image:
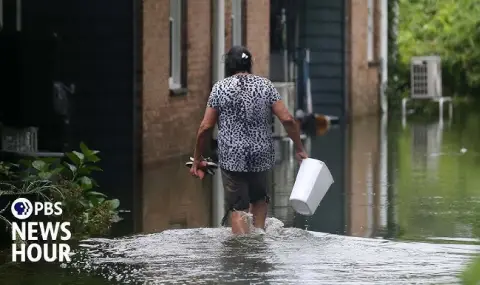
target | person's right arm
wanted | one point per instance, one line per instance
(289, 123)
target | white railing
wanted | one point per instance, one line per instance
(19, 140)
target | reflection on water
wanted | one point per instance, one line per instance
(354, 205)
(283, 177)
(363, 178)
(433, 188)
(429, 181)
(426, 146)
(331, 215)
(436, 179)
(173, 199)
(431, 195)
(246, 259)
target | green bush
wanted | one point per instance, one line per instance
(68, 180)
(88, 217)
(448, 28)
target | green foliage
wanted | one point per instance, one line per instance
(88, 214)
(471, 276)
(448, 28)
(69, 180)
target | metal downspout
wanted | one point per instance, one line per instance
(218, 74)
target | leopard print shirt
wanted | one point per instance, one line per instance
(244, 105)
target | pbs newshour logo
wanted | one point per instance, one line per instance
(22, 209)
(37, 234)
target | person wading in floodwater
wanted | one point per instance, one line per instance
(243, 104)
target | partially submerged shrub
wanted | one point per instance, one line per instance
(88, 215)
(67, 180)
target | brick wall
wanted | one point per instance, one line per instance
(171, 198)
(364, 81)
(257, 25)
(170, 122)
(228, 25)
(258, 34)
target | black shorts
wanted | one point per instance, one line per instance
(243, 188)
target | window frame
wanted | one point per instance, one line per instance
(18, 15)
(177, 38)
(237, 22)
(370, 31)
(1, 15)
(18, 6)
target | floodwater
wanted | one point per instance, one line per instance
(404, 209)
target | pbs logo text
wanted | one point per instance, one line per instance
(37, 233)
(22, 208)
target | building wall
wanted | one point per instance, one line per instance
(364, 76)
(228, 24)
(258, 34)
(257, 25)
(322, 32)
(170, 122)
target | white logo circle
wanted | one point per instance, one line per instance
(22, 208)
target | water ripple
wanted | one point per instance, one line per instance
(279, 256)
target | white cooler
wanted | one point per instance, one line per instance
(312, 183)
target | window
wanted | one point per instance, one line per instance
(11, 15)
(1, 15)
(19, 15)
(278, 26)
(237, 22)
(370, 31)
(176, 80)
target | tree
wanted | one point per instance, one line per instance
(448, 28)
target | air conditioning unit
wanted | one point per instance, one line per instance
(287, 94)
(426, 77)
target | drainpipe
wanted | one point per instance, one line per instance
(1, 15)
(285, 47)
(383, 128)
(218, 73)
(19, 15)
(384, 54)
(308, 85)
(383, 182)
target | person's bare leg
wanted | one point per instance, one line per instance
(259, 211)
(239, 225)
